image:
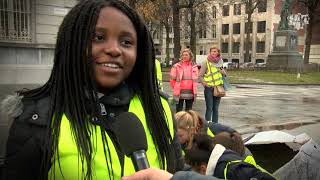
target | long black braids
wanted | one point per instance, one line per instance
(72, 88)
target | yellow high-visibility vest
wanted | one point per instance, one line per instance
(70, 166)
(212, 77)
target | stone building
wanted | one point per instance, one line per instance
(226, 28)
(28, 30)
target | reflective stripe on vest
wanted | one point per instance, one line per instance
(209, 132)
(212, 77)
(70, 162)
(159, 74)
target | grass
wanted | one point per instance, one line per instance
(271, 77)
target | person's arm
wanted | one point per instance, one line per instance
(173, 75)
(203, 70)
(24, 154)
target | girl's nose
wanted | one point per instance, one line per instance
(112, 49)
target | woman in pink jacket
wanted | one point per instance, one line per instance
(184, 81)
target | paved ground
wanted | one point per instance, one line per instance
(254, 108)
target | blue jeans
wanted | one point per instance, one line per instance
(212, 105)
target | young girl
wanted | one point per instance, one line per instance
(184, 81)
(211, 73)
(189, 123)
(103, 66)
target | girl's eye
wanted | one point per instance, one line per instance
(98, 38)
(126, 43)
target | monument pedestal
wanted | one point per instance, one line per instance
(285, 55)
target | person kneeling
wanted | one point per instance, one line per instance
(208, 158)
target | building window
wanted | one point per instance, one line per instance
(202, 32)
(225, 29)
(236, 28)
(262, 6)
(224, 47)
(261, 27)
(237, 9)
(248, 27)
(214, 12)
(259, 60)
(214, 31)
(15, 20)
(236, 47)
(202, 50)
(261, 47)
(225, 10)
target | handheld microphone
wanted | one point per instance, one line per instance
(132, 139)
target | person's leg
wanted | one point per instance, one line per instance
(179, 105)
(209, 103)
(215, 109)
(189, 103)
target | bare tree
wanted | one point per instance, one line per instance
(311, 6)
(193, 7)
(175, 5)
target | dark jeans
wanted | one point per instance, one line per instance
(212, 105)
(179, 105)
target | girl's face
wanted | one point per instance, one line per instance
(114, 48)
(214, 52)
(185, 56)
(183, 135)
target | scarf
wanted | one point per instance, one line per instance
(214, 59)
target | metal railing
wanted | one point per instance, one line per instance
(15, 20)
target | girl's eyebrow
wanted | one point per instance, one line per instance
(122, 33)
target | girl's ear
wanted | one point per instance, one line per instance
(203, 169)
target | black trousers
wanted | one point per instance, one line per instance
(179, 105)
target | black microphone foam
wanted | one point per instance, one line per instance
(132, 139)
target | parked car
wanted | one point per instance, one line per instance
(230, 65)
(261, 65)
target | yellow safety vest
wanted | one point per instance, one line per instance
(70, 166)
(213, 77)
(159, 74)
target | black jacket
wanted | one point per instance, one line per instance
(26, 144)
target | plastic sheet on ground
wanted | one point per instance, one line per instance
(288, 157)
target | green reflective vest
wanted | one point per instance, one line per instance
(70, 166)
(213, 77)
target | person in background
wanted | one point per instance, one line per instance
(189, 123)
(103, 66)
(208, 158)
(184, 81)
(211, 73)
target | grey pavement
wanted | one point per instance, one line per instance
(254, 108)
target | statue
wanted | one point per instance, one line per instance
(285, 13)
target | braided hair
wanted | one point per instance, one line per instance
(72, 88)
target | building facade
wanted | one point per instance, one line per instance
(28, 30)
(225, 27)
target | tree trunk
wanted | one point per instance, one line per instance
(193, 34)
(176, 30)
(308, 39)
(167, 27)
